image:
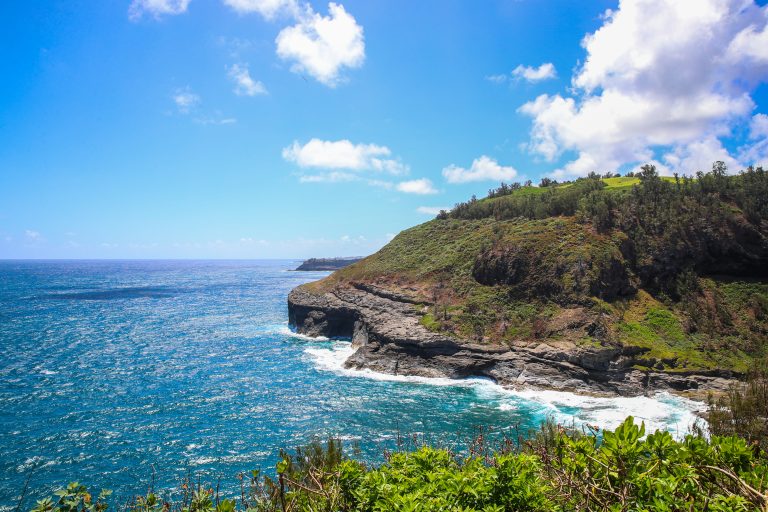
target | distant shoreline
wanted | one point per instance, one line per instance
(327, 264)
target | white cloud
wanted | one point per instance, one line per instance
(329, 177)
(758, 127)
(532, 74)
(245, 85)
(756, 151)
(343, 154)
(431, 210)
(420, 186)
(185, 100)
(659, 76)
(529, 73)
(698, 156)
(156, 8)
(269, 9)
(482, 169)
(322, 45)
(218, 120)
(497, 79)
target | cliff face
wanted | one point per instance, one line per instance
(390, 338)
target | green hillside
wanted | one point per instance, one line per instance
(675, 267)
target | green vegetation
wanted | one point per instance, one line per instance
(674, 266)
(743, 411)
(555, 470)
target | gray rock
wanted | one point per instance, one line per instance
(386, 330)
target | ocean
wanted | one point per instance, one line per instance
(121, 373)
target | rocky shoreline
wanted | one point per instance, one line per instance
(386, 330)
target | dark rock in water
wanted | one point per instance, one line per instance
(389, 337)
(326, 263)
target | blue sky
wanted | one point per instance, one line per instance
(286, 128)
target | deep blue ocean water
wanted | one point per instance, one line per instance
(111, 371)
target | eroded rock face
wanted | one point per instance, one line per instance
(389, 337)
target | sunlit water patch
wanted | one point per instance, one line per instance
(113, 371)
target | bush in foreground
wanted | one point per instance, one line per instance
(557, 469)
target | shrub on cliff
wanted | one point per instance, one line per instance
(743, 411)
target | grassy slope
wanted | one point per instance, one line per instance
(434, 260)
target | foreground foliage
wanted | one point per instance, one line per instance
(557, 469)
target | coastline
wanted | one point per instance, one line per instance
(386, 332)
(661, 410)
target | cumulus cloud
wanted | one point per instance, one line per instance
(421, 186)
(660, 78)
(343, 161)
(343, 154)
(756, 151)
(482, 169)
(431, 210)
(316, 45)
(532, 74)
(697, 155)
(758, 128)
(529, 73)
(156, 8)
(185, 100)
(322, 46)
(245, 85)
(269, 9)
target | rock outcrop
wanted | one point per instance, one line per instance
(326, 264)
(385, 328)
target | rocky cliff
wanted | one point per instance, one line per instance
(386, 330)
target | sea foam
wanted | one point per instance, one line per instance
(662, 411)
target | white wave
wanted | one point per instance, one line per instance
(333, 358)
(661, 411)
(202, 461)
(284, 330)
(44, 371)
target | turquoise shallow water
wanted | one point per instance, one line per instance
(113, 370)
